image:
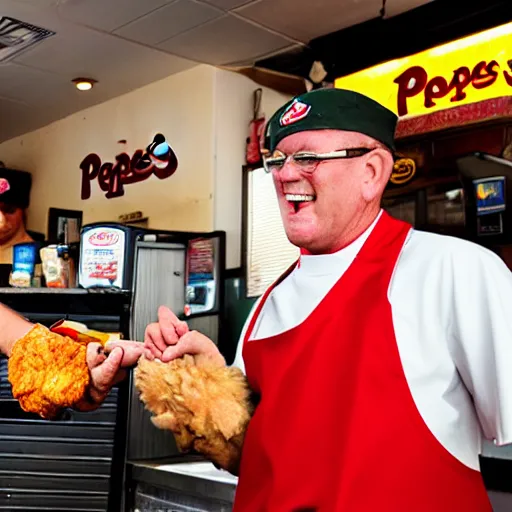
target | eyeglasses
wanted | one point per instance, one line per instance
(307, 162)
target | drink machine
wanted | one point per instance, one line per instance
(181, 270)
(107, 255)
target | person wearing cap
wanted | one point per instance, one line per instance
(382, 356)
(14, 200)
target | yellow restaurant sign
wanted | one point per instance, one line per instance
(472, 69)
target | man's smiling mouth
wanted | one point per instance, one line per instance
(297, 200)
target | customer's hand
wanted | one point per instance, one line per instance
(108, 366)
(170, 338)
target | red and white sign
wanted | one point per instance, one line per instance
(102, 257)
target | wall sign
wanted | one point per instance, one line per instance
(403, 172)
(469, 70)
(158, 159)
(131, 217)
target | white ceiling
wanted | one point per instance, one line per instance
(125, 44)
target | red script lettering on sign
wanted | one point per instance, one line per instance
(415, 80)
(159, 159)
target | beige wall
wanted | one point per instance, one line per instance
(204, 113)
(180, 107)
(233, 112)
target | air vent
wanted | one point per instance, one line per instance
(16, 36)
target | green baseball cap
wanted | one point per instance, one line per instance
(332, 109)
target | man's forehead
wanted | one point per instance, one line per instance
(324, 140)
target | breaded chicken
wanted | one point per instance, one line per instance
(48, 372)
(207, 407)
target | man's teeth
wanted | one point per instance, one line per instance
(299, 197)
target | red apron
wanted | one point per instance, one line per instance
(336, 428)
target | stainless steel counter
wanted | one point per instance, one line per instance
(189, 486)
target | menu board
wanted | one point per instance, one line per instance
(200, 260)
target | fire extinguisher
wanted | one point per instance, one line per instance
(256, 127)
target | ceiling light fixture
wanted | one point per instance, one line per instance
(84, 84)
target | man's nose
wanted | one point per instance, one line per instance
(289, 171)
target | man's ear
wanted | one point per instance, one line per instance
(379, 165)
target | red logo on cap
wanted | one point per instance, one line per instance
(4, 186)
(295, 112)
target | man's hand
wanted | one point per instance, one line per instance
(162, 334)
(170, 338)
(108, 367)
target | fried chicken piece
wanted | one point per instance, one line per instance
(48, 372)
(207, 407)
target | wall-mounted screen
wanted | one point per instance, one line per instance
(490, 195)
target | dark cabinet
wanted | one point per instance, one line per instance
(77, 462)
